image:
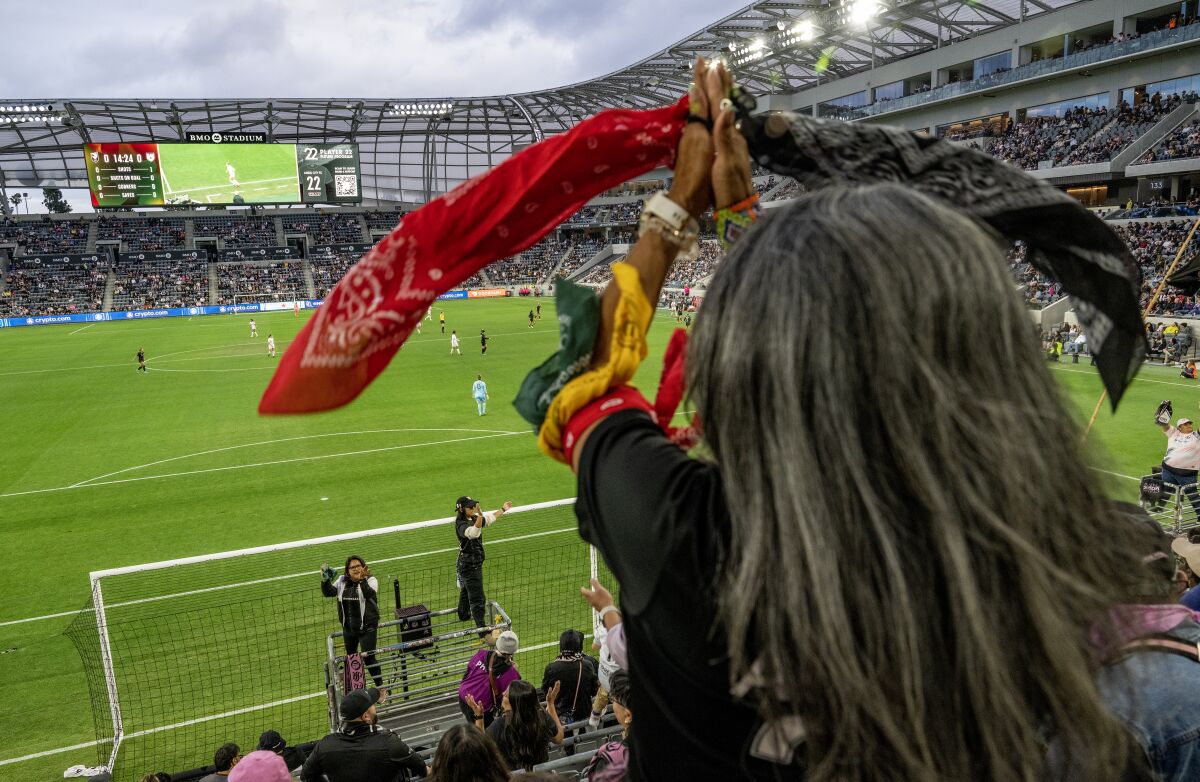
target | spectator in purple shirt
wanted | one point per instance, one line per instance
(488, 675)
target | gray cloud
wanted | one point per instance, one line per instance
(319, 48)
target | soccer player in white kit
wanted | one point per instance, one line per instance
(429, 313)
(229, 169)
(253, 328)
(271, 345)
(454, 343)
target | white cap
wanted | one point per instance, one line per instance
(1183, 421)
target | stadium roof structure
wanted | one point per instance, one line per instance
(412, 149)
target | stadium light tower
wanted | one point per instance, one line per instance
(862, 12)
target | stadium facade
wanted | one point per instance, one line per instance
(931, 65)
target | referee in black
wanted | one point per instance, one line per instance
(469, 521)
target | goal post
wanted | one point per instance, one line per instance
(184, 655)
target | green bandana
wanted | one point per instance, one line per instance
(578, 319)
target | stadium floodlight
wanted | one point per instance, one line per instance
(804, 30)
(863, 11)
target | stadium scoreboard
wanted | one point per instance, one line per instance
(121, 175)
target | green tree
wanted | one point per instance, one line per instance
(15, 198)
(54, 202)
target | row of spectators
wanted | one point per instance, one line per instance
(160, 284)
(1027, 144)
(45, 236)
(31, 289)
(531, 266)
(143, 234)
(1131, 123)
(240, 282)
(1179, 144)
(325, 228)
(238, 231)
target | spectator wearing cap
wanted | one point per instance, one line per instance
(1182, 459)
(469, 521)
(488, 674)
(1190, 553)
(271, 741)
(575, 672)
(261, 766)
(361, 750)
(1150, 646)
(224, 759)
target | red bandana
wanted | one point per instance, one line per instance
(374, 308)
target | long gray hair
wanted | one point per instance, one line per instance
(917, 549)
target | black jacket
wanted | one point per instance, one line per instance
(571, 672)
(361, 753)
(357, 601)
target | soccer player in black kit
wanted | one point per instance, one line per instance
(483, 338)
(141, 359)
(531, 319)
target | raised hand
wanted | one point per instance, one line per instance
(598, 597)
(731, 167)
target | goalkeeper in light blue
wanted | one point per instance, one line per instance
(479, 391)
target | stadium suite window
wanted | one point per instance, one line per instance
(1057, 109)
(837, 105)
(1000, 61)
(1169, 87)
(890, 91)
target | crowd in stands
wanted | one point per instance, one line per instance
(45, 236)
(585, 248)
(241, 282)
(328, 269)
(789, 189)
(586, 216)
(32, 289)
(154, 284)
(531, 266)
(1154, 245)
(1131, 122)
(326, 228)
(239, 230)
(383, 219)
(627, 212)
(1052, 138)
(1179, 144)
(143, 234)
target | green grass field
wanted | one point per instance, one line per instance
(265, 173)
(102, 467)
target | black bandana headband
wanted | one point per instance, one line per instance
(1066, 242)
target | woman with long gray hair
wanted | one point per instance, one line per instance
(865, 575)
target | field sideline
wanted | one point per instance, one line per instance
(102, 466)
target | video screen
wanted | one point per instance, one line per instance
(210, 174)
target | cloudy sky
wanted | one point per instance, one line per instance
(56, 49)
(329, 48)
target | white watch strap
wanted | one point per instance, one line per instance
(667, 210)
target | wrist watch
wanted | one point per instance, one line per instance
(671, 221)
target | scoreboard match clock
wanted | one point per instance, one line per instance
(226, 174)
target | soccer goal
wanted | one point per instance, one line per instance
(185, 655)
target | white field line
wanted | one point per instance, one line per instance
(1192, 386)
(1117, 474)
(307, 573)
(212, 717)
(283, 440)
(257, 464)
(82, 328)
(211, 371)
(419, 339)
